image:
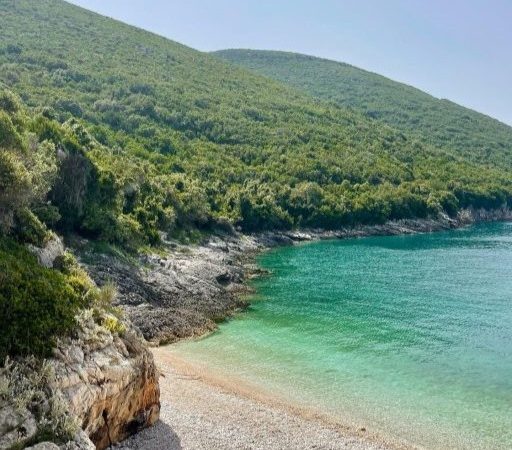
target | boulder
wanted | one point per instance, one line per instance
(49, 253)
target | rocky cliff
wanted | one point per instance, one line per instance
(100, 386)
(110, 382)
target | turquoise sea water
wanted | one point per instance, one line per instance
(410, 336)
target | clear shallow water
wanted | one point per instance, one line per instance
(409, 335)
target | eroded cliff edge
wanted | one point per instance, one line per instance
(98, 389)
(110, 382)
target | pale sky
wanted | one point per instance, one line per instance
(455, 49)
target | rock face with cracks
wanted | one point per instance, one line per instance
(97, 389)
(183, 293)
(110, 382)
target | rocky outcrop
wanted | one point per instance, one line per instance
(99, 388)
(183, 293)
(16, 425)
(110, 382)
(49, 253)
(468, 216)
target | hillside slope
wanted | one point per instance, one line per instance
(174, 139)
(438, 122)
(67, 354)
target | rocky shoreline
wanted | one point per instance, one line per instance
(189, 289)
(107, 383)
(182, 293)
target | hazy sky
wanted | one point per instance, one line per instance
(455, 49)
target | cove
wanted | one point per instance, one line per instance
(408, 336)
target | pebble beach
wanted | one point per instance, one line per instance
(200, 412)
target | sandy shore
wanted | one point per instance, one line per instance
(203, 412)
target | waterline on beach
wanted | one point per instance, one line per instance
(406, 335)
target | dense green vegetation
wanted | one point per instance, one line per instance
(36, 304)
(441, 123)
(122, 136)
(46, 179)
(149, 136)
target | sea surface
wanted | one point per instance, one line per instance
(408, 336)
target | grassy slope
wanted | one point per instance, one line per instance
(439, 122)
(211, 140)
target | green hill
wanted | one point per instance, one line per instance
(153, 136)
(437, 122)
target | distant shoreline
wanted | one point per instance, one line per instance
(465, 217)
(188, 290)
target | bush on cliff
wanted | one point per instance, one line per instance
(36, 304)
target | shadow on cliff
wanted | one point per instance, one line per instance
(158, 437)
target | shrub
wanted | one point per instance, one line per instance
(9, 102)
(69, 106)
(105, 296)
(82, 285)
(36, 304)
(47, 214)
(113, 324)
(14, 49)
(15, 187)
(9, 137)
(66, 263)
(29, 228)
